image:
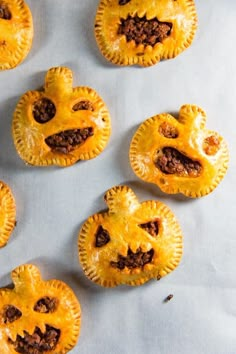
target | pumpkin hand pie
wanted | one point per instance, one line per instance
(37, 316)
(7, 213)
(60, 125)
(130, 243)
(16, 32)
(143, 32)
(179, 155)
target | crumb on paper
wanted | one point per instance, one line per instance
(168, 298)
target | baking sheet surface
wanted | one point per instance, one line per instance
(52, 203)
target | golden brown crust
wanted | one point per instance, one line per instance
(125, 226)
(30, 136)
(181, 14)
(7, 213)
(28, 289)
(16, 34)
(205, 148)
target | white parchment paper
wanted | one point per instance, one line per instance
(52, 203)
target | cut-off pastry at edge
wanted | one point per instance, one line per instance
(179, 155)
(16, 32)
(7, 213)
(143, 32)
(61, 124)
(130, 243)
(38, 316)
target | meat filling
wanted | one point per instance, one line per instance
(83, 105)
(43, 110)
(38, 342)
(67, 140)
(5, 13)
(102, 237)
(151, 227)
(133, 259)
(143, 31)
(11, 314)
(46, 304)
(123, 2)
(171, 161)
(168, 130)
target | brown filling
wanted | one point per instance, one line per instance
(169, 297)
(5, 13)
(46, 304)
(143, 31)
(102, 237)
(38, 342)
(43, 110)
(123, 2)
(211, 145)
(133, 260)
(11, 314)
(68, 140)
(168, 131)
(151, 227)
(171, 161)
(83, 105)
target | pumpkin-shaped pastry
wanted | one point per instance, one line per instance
(143, 32)
(16, 32)
(179, 155)
(7, 213)
(60, 125)
(130, 243)
(38, 316)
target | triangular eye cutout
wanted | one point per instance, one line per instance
(46, 304)
(152, 227)
(11, 314)
(102, 237)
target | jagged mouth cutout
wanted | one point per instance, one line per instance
(38, 342)
(147, 32)
(133, 260)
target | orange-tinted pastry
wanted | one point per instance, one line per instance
(37, 316)
(7, 213)
(179, 154)
(143, 32)
(60, 125)
(16, 32)
(130, 243)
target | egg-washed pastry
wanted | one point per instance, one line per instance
(130, 243)
(179, 155)
(7, 213)
(143, 32)
(38, 316)
(61, 124)
(16, 32)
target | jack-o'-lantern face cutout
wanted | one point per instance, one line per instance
(179, 155)
(131, 243)
(7, 213)
(143, 32)
(36, 316)
(60, 125)
(16, 32)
